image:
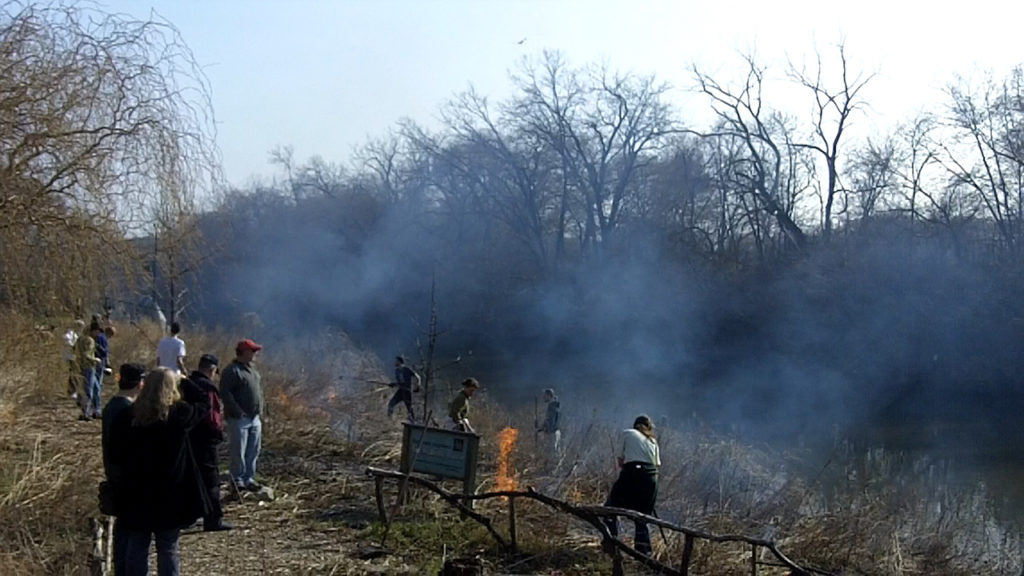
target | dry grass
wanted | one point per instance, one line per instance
(325, 422)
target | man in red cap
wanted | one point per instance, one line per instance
(242, 395)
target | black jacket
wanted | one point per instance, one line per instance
(161, 487)
(198, 388)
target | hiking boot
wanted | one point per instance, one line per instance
(83, 418)
(253, 486)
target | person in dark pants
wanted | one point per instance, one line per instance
(162, 491)
(103, 354)
(551, 428)
(129, 384)
(637, 486)
(407, 381)
(205, 437)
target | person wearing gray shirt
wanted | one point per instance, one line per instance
(242, 394)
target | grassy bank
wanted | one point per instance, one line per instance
(867, 512)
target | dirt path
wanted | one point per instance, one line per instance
(322, 502)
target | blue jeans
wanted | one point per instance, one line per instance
(244, 440)
(92, 393)
(136, 553)
(101, 371)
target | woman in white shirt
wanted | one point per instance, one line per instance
(637, 485)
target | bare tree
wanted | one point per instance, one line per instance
(100, 118)
(605, 128)
(918, 157)
(550, 98)
(316, 177)
(513, 169)
(985, 156)
(873, 180)
(764, 135)
(833, 110)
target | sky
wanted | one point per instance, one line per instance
(324, 76)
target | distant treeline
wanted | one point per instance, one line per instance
(763, 274)
(774, 274)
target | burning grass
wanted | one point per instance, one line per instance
(505, 475)
(866, 512)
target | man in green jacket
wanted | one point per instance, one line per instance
(242, 394)
(458, 408)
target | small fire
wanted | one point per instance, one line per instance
(282, 398)
(505, 477)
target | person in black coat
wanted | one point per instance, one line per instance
(161, 490)
(205, 437)
(129, 385)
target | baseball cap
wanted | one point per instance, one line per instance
(132, 372)
(209, 360)
(248, 344)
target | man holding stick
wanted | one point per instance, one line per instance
(407, 381)
(551, 428)
(458, 408)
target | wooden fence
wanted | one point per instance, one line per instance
(593, 515)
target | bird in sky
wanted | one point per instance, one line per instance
(521, 41)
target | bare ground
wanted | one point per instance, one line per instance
(317, 523)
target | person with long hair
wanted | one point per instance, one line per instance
(162, 490)
(637, 486)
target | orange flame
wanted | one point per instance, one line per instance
(505, 477)
(282, 398)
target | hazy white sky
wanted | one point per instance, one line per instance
(323, 76)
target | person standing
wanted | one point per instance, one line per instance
(458, 408)
(207, 435)
(162, 492)
(129, 384)
(86, 363)
(407, 381)
(637, 486)
(551, 427)
(242, 394)
(103, 354)
(170, 351)
(68, 354)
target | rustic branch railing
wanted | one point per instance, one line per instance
(592, 515)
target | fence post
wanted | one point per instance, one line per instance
(753, 560)
(512, 523)
(617, 569)
(378, 489)
(684, 566)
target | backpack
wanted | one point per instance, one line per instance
(215, 421)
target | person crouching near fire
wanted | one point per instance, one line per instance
(637, 486)
(458, 408)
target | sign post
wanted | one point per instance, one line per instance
(444, 453)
